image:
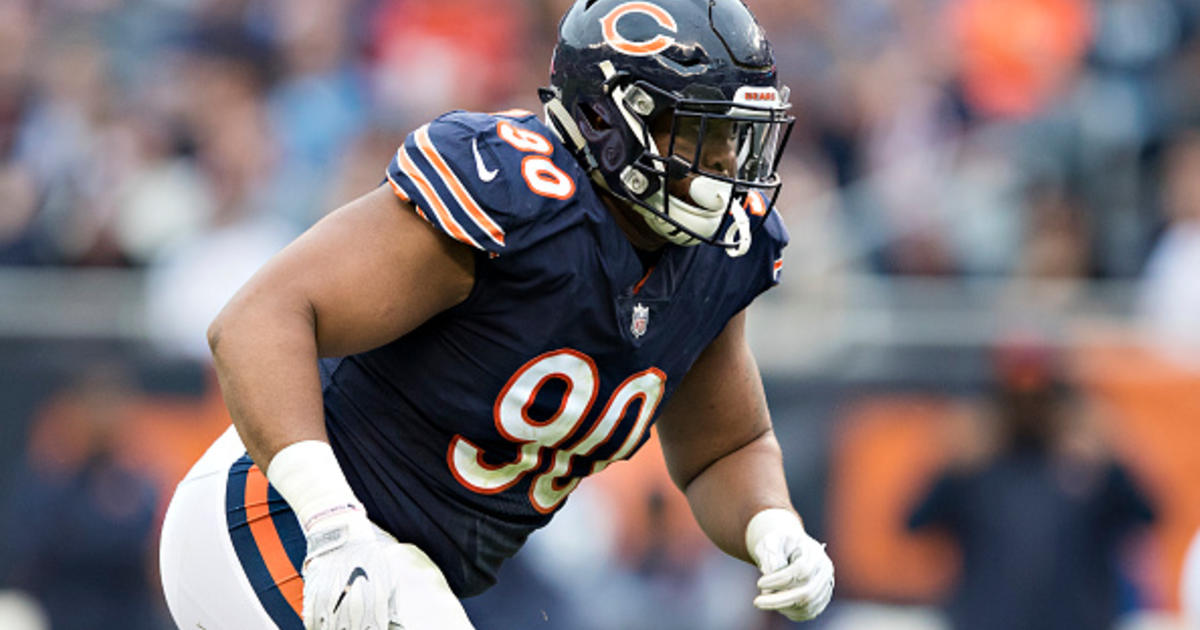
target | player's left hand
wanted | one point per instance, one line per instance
(797, 578)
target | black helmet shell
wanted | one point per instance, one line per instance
(708, 46)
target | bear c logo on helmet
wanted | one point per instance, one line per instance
(651, 46)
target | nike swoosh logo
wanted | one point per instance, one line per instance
(485, 174)
(358, 572)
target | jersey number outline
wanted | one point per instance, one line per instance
(541, 174)
(541, 438)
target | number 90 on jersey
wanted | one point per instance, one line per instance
(544, 439)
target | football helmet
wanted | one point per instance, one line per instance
(624, 71)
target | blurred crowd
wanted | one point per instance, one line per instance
(1020, 140)
(954, 131)
(1010, 138)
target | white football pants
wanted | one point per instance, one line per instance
(231, 550)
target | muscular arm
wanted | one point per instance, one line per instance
(719, 447)
(366, 274)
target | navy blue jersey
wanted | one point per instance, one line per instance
(466, 434)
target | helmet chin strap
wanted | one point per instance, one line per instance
(559, 121)
(702, 218)
(739, 232)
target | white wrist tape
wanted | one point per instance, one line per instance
(768, 520)
(308, 477)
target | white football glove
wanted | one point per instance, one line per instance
(349, 577)
(797, 579)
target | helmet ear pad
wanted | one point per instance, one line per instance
(613, 143)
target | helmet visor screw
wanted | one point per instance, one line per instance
(635, 181)
(640, 102)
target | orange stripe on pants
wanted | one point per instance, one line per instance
(266, 537)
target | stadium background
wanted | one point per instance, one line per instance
(969, 180)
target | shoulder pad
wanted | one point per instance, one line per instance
(482, 178)
(775, 230)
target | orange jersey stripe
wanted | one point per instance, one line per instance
(403, 196)
(266, 537)
(397, 189)
(439, 209)
(756, 204)
(638, 287)
(481, 219)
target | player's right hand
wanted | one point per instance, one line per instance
(349, 580)
(797, 580)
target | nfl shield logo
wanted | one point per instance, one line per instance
(641, 319)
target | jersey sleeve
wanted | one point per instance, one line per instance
(460, 176)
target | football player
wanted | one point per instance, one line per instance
(511, 311)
